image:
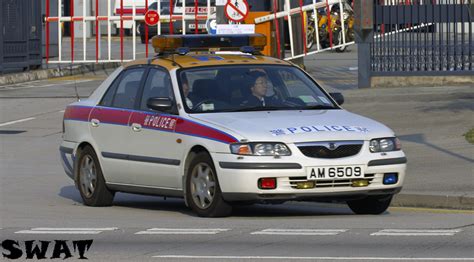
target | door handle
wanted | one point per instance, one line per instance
(95, 122)
(136, 127)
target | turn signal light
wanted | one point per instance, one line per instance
(267, 183)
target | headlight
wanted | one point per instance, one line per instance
(385, 144)
(260, 149)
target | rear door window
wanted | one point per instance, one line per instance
(126, 93)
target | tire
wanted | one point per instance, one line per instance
(372, 205)
(310, 37)
(339, 42)
(203, 193)
(90, 180)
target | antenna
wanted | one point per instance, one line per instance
(75, 83)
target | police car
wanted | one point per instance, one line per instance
(219, 129)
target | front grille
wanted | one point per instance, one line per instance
(320, 151)
(329, 183)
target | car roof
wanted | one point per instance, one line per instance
(198, 60)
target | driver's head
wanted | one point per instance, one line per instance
(259, 85)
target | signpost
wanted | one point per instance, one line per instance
(237, 10)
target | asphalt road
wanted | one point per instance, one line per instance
(38, 202)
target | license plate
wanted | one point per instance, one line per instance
(200, 26)
(334, 172)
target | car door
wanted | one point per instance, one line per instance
(109, 125)
(153, 141)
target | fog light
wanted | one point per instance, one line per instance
(305, 185)
(360, 183)
(390, 178)
(267, 183)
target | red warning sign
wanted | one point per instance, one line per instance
(152, 17)
(236, 10)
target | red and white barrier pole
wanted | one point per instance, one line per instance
(171, 17)
(71, 2)
(328, 14)
(303, 28)
(196, 31)
(121, 30)
(277, 27)
(146, 30)
(47, 31)
(96, 31)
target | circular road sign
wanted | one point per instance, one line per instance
(237, 10)
(211, 26)
(152, 17)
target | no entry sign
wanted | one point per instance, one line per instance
(152, 17)
(237, 10)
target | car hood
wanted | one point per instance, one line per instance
(296, 126)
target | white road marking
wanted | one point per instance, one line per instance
(353, 68)
(17, 121)
(416, 232)
(182, 231)
(318, 258)
(301, 232)
(69, 231)
(62, 111)
(20, 86)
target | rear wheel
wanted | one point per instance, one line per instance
(310, 34)
(203, 193)
(90, 180)
(372, 205)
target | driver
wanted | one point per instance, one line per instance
(258, 89)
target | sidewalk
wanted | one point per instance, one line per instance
(430, 121)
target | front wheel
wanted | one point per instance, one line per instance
(91, 182)
(372, 205)
(203, 193)
(340, 42)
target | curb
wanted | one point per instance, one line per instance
(42, 74)
(433, 201)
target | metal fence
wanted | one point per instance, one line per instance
(416, 37)
(20, 47)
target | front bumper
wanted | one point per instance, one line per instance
(238, 177)
(317, 197)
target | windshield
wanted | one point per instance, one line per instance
(250, 88)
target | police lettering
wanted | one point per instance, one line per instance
(162, 122)
(326, 128)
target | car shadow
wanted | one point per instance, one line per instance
(157, 203)
(420, 139)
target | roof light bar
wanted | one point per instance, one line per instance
(198, 43)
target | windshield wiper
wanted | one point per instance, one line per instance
(258, 108)
(317, 107)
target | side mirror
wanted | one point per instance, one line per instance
(161, 104)
(338, 97)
